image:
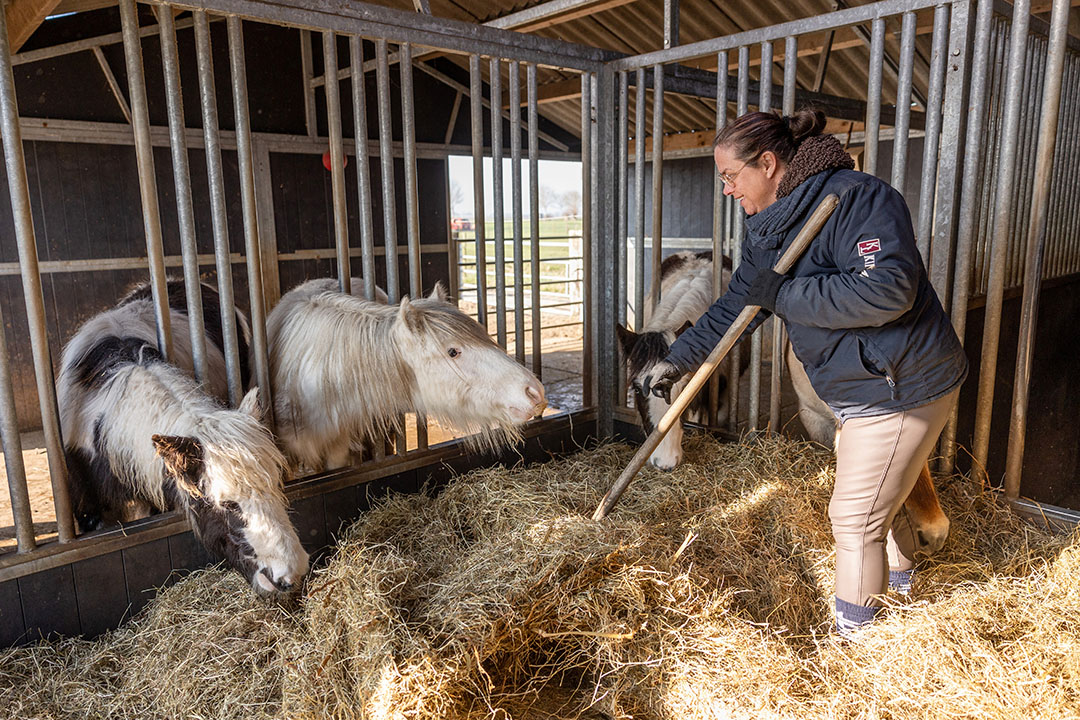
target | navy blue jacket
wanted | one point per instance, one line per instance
(859, 308)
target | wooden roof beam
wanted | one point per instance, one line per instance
(24, 17)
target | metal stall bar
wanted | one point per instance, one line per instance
(218, 216)
(412, 204)
(19, 191)
(185, 212)
(1003, 207)
(903, 101)
(1059, 200)
(144, 158)
(386, 161)
(534, 218)
(622, 80)
(310, 122)
(718, 224)
(1066, 228)
(514, 79)
(602, 248)
(238, 69)
(363, 167)
(873, 95)
(988, 183)
(589, 312)
(1029, 313)
(946, 199)
(1020, 188)
(476, 114)
(764, 105)
(657, 183)
(933, 128)
(965, 237)
(495, 86)
(12, 445)
(742, 104)
(779, 338)
(639, 200)
(337, 163)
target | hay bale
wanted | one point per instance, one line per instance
(706, 594)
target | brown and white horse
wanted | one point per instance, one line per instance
(343, 369)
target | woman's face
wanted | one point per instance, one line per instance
(752, 184)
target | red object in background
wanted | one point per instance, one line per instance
(326, 160)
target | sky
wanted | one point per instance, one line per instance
(560, 176)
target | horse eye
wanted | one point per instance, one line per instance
(454, 352)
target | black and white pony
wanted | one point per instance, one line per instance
(343, 369)
(685, 294)
(141, 436)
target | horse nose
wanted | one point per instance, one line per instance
(535, 392)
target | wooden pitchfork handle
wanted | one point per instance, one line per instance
(742, 321)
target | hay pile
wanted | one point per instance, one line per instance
(705, 595)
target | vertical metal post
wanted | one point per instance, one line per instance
(337, 161)
(516, 212)
(1029, 313)
(873, 95)
(386, 161)
(621, 235)
(965, 240)
(657, 183)
(903, 101)
(495, 84)
(1003, 206)
(12, 444)
(185, 213)
(144, 156)
(742, 104)
(238, 68)
(412, 201)
(933, 128)
(602, 248)
(19, 192)
(534, 218)
(589, 310)
(476, 113)
(779, 339)
(946, 198)
(363, 165)
(639, 201)
(764, 105)
(412, 207)
(310, 122)
(671, 23)
(218, 215)
(718, 226)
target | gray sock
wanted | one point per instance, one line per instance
(900, 581)
(850, 618)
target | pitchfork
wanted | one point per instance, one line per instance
(742, 321)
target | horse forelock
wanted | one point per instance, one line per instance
(650, 348)
(447, 324)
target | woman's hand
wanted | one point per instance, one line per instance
(658, 380)
(764, 288)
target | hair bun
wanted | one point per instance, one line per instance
(804, 124)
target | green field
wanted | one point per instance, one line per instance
(554, 243)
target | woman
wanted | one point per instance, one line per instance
(862, 318)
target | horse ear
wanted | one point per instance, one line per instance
(183, 458)
(408, 315)
(439, 292)
(627, 338)
(251, 405)
(686, 326)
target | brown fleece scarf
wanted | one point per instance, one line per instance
(815, 154)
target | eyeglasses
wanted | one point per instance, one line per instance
(729, 180)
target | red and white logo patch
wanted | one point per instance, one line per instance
(870, 246)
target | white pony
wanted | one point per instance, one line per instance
(343, 368)
(141, 436)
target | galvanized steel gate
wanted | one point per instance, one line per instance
(986, 220)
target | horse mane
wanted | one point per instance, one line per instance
(685, 291)
(239, 454)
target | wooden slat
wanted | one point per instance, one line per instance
(24, 17)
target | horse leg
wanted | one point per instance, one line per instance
(924, 512)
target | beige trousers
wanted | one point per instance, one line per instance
(878, 460)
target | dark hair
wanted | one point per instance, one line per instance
(754, 133)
